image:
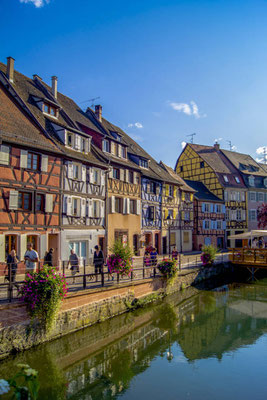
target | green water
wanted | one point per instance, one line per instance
(194, 345)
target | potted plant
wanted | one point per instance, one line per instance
(120, 259)
(168, 267)
(208, 255)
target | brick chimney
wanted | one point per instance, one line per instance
(10, 69)
(217, 146)
(54, 86)
(98, 113)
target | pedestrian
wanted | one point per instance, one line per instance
(74, 264)
(31, 257)
(175, 254)
(147, 260)
(48, 259)
(154, 256)
(98, 260)
(12, 266)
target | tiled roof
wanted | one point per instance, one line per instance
(179, 181)
(202, 192)
(245, 163)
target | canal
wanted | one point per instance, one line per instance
(197, 344)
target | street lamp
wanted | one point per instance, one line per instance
(170, 224)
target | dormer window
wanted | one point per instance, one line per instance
(106, 146)
(69, 139)
(143, 163)
(237, 179)
(225, 177)
(265, 182)
(251, 180)
(123, 152)
(77, 142)
(49, 109)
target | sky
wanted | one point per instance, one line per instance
(162, 69)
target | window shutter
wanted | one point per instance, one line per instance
(83, 173)
(157, 188)
(119, 150)
(48, 203)
(211, 207)
(23, 245)
(191, 197)
(23, 158)
(102, 209)
(138, 207)
(224, 224)
(126, 175)
(214, 224)
(121, 174)
(148, 187)
(183, 196)
(44, 163)
(135, 178)
(91, 175)
(127, 206)
(166, 190)
(223, 208)
(175, 191)
(112, 204)
(182, 215)
(2, 248)
(112, 148)
(203, 207)
(203, 224)
(166, 213)
(83, 207)
(13, 199)
(90, 208)
(70, 170)
(4, 155)
(102, 178)
(110, 174)
(215, 208)
(191, 215)
(77, 142)
(43, 245)
(69, 205)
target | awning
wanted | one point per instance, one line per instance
(249, 235)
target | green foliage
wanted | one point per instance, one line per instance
(208, 255)
(43, 292)
(24, 385)
(168, 268)
(120, 261)
(122, 251)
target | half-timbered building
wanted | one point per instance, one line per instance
(30, 171)
(208, 164)
(82, 179)
(209, 218)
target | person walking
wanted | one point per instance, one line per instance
(154, 256)
(98, 260)
(31, 257)
(12, 266)
(175, 254)
(48, 259)
(74, 264)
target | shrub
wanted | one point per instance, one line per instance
(24, 384)
(167, 267)
(43, 292)
(120, 261)
(208, 255)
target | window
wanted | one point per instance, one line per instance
(265, 182)
(10, 243)
(116, 173)
(75, 207)
(83, 144)
(187, 216)
(171, 191)
(143, 163)
(170, 214)
(75, 171)
(260, 197)
(238, 215)
(252, 196)
(238, 196)
(69, 139)
(242, 196)
(226, 196)
(206, 224)
(95, 209)
(187, 196)
(96, 176)
(251, 181)
(219, 224)
(106, 146)
(80, 248)
(132, 206)
(237, 179)
(225, 177)
(201, 164)
(117, 154)
(181, 168)
(131, 177)
(33, 239)
(49, 109)
(25, 201)
(123, 152)
(252, 215)
(118, 202)
(151, 213)
(33, 161)
(219, 208)
(227, 215)
(207, 207)
(40, 202)
(153, 187)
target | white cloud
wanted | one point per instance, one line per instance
(259, 159)
(218, 140)
(183, 144)
(261, 150)
(188, 109)
(37, 3)
(137, 125)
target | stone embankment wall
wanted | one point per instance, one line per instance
(85, 308)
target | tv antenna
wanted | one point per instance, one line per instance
(230, 145)
(91, 100)
(265, 155)
(192, 137)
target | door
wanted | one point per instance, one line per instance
(101, 243)
(207, 241)
(53, 243)
(135, 244)
(164, 244)
(220, 242)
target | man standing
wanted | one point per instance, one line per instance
(98, 260)
(48, 260)
(74, 264)
(31, 258)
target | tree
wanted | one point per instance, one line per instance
(262, 216)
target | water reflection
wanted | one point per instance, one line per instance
(102, 361)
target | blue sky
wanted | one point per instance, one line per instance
(163, 69)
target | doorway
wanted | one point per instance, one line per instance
(101, 243)
(53, 243)
(157, 243)
(164, 244)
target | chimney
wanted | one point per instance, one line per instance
(54, 86)
(98, 113)
(217, 146)
(10, 69)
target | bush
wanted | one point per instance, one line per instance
(208, 255)
(167, 267)
(43, 292)
(23, 385)
(120, 261)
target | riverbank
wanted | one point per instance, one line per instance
(85, 308)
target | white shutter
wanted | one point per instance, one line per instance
(2, 248)
(43, 246)
(4, 155)
(76, 142)
(99, 177)
(127, 206)
(119, 150)
(121, 174)
(83, 173)
(13, 199)
(110, 174)
(112, 204)
(90, 208)
(69, 205)
(83, 207)
(91, 175)
(98, 209)
(23, 246)
(126, 175)
(102, 178)
(70, 170)
(136, 178)
(48, 203)
(23, 158)
(124, 206)
(102, 209)
(44, 163)
(138, 207)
